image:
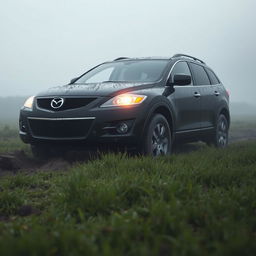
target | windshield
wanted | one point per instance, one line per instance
(125, 71)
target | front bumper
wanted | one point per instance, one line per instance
(83, 126)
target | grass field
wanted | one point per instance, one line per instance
(9, 138)
(198, 203)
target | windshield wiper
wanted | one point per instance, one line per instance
(110, 81)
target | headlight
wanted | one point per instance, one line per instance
(124, 100)
(29, 102)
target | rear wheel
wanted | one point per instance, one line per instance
(220, 137)
(158, 137)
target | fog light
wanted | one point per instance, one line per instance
(22, 126)
(122, 128)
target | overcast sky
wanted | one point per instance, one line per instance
(46, 43)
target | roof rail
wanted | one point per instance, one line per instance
(121, 58)
(188, 56)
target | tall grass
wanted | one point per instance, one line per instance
(201, 203)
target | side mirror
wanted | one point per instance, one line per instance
(180, 79)
(73, 80)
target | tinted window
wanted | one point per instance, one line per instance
(126, 71)
(213, 77)
(200, 76)
(181, 68)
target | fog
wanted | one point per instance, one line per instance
(46, 43)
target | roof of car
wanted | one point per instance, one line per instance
(141, 58)
(176, 56)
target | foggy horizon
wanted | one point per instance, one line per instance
(45, 44)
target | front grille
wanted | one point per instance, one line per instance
(69, 103)
(60, 128)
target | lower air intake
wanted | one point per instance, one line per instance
(60, 128)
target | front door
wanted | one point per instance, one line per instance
(187, 101)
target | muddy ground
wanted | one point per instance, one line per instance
(17, 161)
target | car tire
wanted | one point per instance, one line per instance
(158, 139)
(220, 136)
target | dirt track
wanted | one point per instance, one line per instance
(18, 160)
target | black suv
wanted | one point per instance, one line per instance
(144, 104)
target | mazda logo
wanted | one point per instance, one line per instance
(57, 103)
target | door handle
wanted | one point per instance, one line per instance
(197, 95)
(216, 93)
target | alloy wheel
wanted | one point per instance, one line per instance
(222, 133)
(160, 140)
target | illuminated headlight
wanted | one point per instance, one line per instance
(124, 100)
(29, 102)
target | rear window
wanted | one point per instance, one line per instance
(200, 75)
(214, 79)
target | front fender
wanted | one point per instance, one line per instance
(157, 105)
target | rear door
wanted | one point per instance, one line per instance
(203, 85)
(186, 101)
(217, 89)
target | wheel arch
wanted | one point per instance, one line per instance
(164, 110)
(224, 111)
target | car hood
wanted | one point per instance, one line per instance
(99, 89)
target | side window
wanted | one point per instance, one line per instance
(212, 76)
(181, 68)
(200, 76)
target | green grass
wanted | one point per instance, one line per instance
(200, 203)
(9, 139)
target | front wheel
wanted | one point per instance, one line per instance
(158, 137)
(220, 137)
